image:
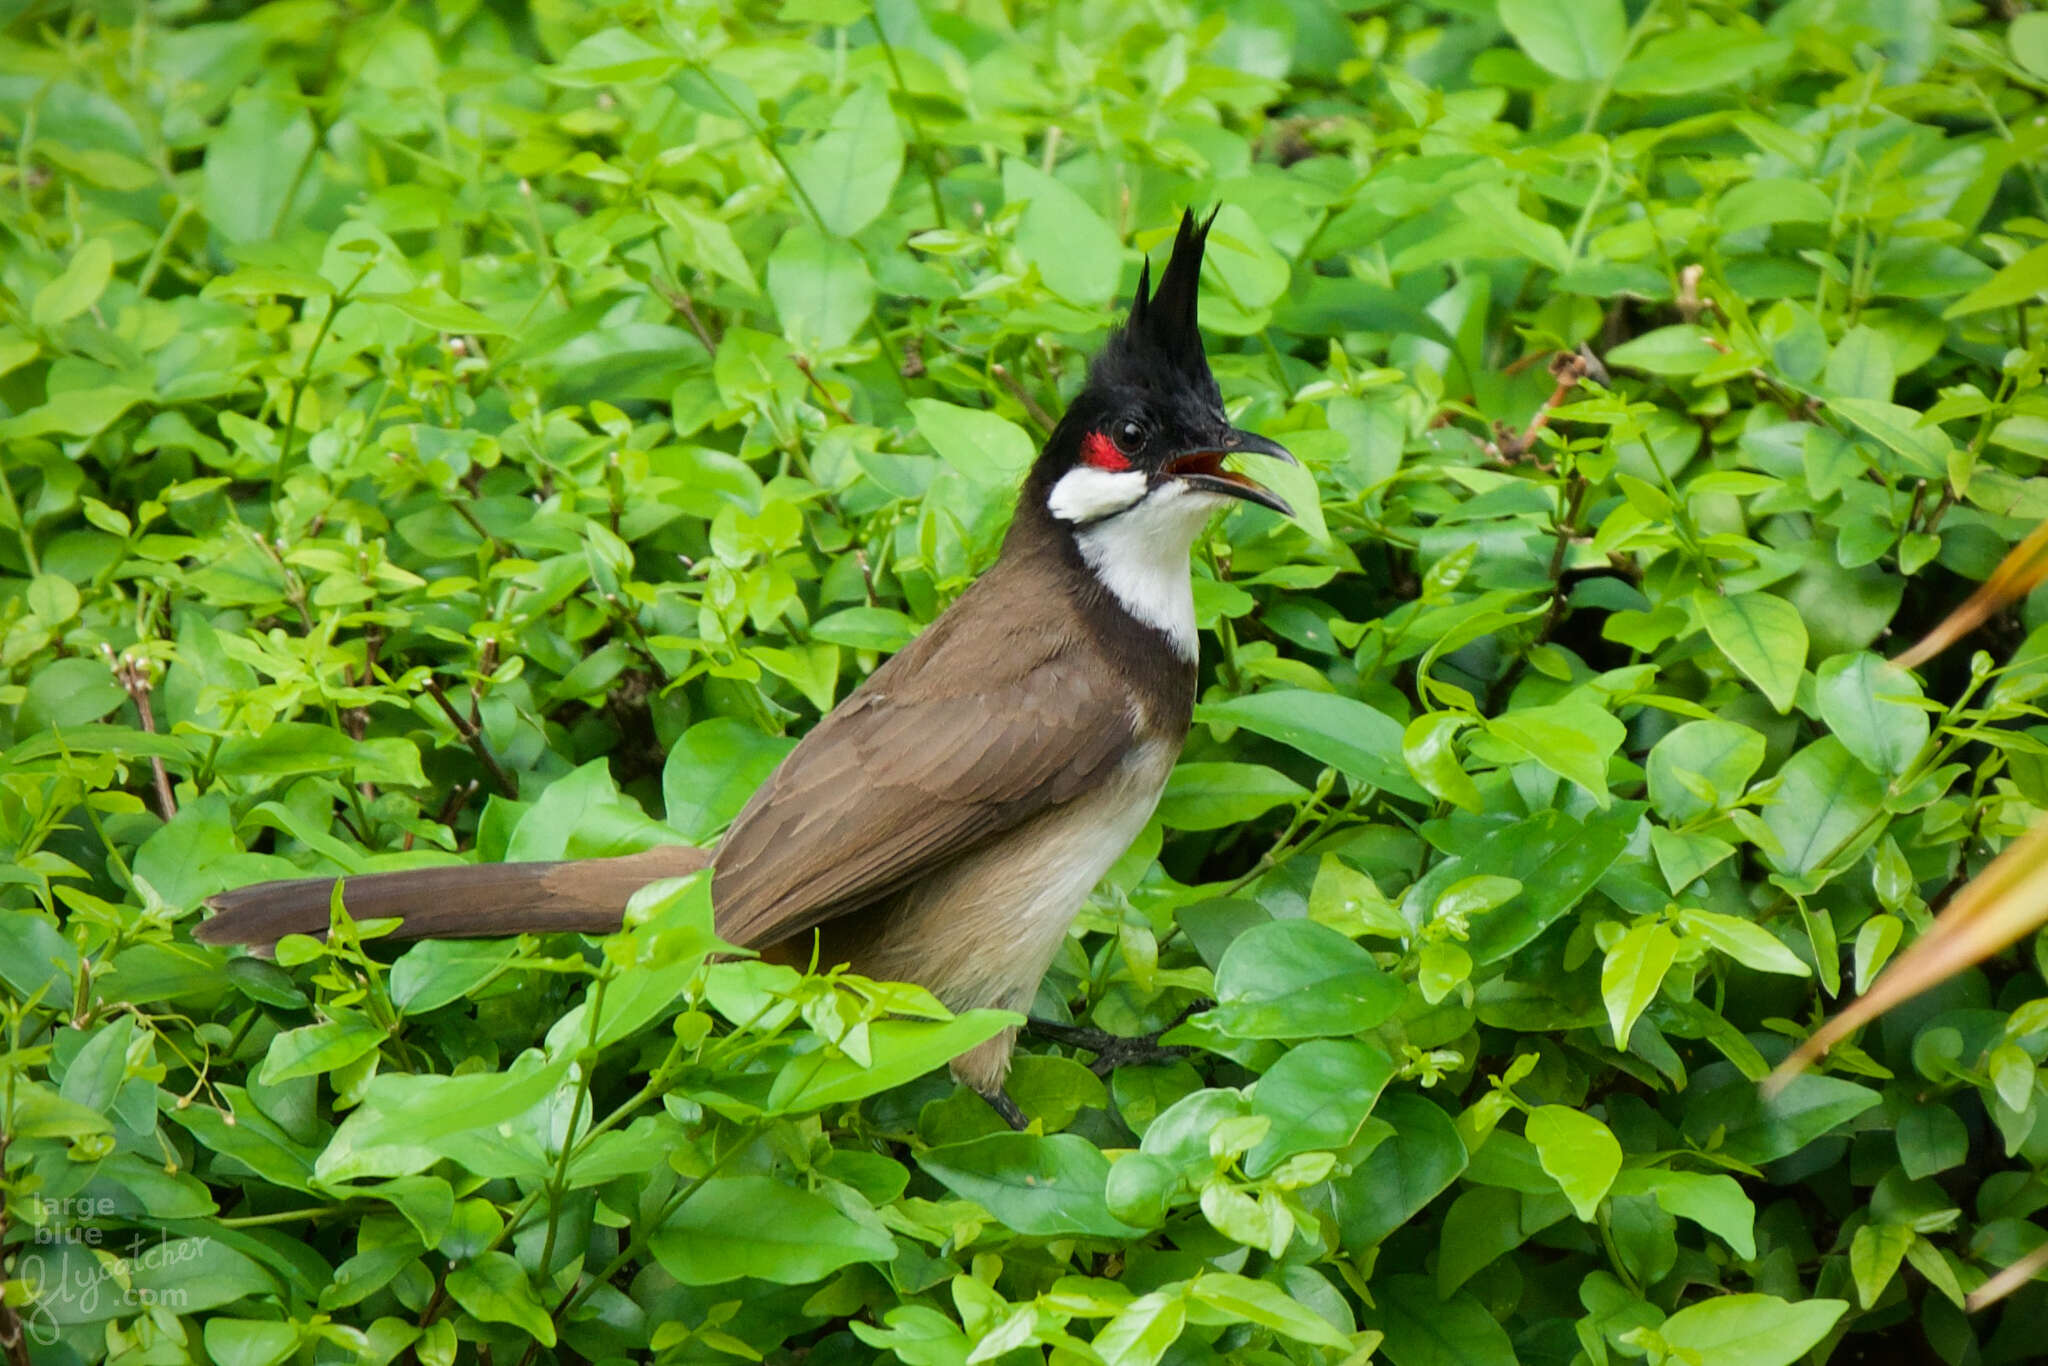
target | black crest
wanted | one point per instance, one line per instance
(1161, 337)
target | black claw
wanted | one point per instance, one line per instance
(1113, 1050)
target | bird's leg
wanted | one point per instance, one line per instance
(984, 1068)
(1115, 1050)
(999, 1100)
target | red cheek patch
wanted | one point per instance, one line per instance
(1101, 453)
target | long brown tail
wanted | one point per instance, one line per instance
(464, 901)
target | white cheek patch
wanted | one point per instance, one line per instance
(1084, 494)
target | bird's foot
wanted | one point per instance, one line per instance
(1115, 1050)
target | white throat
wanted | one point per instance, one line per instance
(1136, 541)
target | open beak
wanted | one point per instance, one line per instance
(1203, 469)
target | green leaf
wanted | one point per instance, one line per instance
(1295, 979)
(250, 1342)
(1773, 199)
(1580, 1153)
(821, 288)
(850, 169)
(901, 1050)
(1932, 1138)
(1426, 747)
(253, 164)
(1402, 1175)
(1047, 1187)
(293, 748)
(1317, 1097)
(35, 960)
(1073, 249)
(197, 1274)
(738, 1226)
(1702, 766)
(1746, 942)
(434, 309)
(1697, 58)
(1874, 1256)
(1265, 1304)
(435, 972)
(866, 628)
(1763, 636)
(1632, 972)
(1823, 806)
(1860, 366)
(613, 56)
(1579, 42)
(493, 1287)
(1142, 1330)
(1211, 796)
(317, 1048)
(1755, 1130)
(2028, 35)
(77, 288)
(712, 770)
(1859, 697)
(984, 447)
(1680, 349)
(1556, 857)
(2022, 282)
(1923, 447)
(708, 242)
(1750, 1330)
(69, 692)
(1686, 858)
(1358, 740)
(1573, 740)
(1484, 1224)
(1715, 1202)
(1424, 1329)
(402, 1125)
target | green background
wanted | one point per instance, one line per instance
(458, 427)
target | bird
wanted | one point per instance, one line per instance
(945, 823)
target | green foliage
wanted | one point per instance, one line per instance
(454, 429)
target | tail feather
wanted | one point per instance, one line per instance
(463, 901)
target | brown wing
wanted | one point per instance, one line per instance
(955, 740)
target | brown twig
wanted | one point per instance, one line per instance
(458, 797)
(867, 573)
(679, 300)
(1041, 418)
(803, 363)
(1567, 368)
(356, 720)
(132, 674)
(472, 736)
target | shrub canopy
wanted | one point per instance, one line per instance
(452, 427)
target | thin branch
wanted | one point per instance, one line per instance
(803, 363)
(1567, 368)
(1038, 415)
(471, 736)
(133, 676)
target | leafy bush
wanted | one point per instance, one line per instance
(456, 428)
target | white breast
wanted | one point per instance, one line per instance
(1141, 556)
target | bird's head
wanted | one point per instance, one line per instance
(1146, 438)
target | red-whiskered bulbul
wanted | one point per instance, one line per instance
(944, 824)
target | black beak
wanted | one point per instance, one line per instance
(1203, 469)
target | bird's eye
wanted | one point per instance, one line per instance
(1129, 436)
